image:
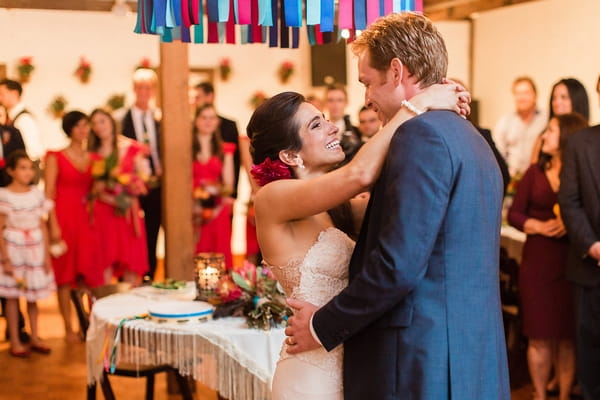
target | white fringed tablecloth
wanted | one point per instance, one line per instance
(223, 354)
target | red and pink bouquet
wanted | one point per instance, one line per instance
(253, 292)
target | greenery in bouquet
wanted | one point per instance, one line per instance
(207, 200)
(253, 292)
(124, 186)
(257, 99)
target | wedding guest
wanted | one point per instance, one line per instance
(140, 123)
(19, 117)
(568, 95)
(546, 296)
(118, 217)
(213, 179)
(205, 94)
(578, 198)
(68, 180)
(368, 123)
(515, 133)
(336, 101)
(25, 261)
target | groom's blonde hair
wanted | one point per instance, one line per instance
(410, 37)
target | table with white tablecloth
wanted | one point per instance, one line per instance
(512, 240)
(224, 353)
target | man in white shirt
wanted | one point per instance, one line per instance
(20, 118)
(515, 134)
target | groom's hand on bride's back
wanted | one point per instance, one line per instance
(299, 337)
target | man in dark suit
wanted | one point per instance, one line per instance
(140, 123)
(579, 199)
(205, 94)
(421, 316)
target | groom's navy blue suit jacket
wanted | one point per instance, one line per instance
(421, 317)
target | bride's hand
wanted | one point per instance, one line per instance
(445, 96)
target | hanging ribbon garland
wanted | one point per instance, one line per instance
(276, 22)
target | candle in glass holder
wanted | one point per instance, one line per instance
(209, 268)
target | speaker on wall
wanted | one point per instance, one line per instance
(328, 63)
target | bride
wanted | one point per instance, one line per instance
(307, 217)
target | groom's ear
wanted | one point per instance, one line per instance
(397, 70)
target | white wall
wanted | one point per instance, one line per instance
(547, 40)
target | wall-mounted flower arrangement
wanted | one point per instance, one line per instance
(84, 70)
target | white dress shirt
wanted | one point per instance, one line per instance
(29, 131)
(515, 139)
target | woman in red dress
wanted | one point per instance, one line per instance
(120, 176)
(213, 177)
(68, 181)
(546, 295)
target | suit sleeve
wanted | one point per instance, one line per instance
(578, 225)
(418, 179)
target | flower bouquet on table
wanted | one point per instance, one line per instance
(252, 292)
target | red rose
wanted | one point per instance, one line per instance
(269, 171)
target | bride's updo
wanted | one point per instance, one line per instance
(273, 127)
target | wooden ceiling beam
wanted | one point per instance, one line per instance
(79, 5)
(439, 10)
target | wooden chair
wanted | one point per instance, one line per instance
(83, 299)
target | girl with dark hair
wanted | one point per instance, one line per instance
(68, 181)
(546, 295)
(25, 269)
(213, 179)
(120, 175)
(567, 96)
(294, 147)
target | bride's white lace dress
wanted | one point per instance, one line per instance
(316, 278)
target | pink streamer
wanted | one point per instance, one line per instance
(372, 11)
(244, 14)
(388, 7)
(345, 9)
(419, 5)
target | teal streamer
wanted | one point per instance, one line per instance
(223, 7)
(265, 13)
(244, 33)
(313, 12)
(199, 29)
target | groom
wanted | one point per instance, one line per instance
(421, 317)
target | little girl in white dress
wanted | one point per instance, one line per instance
(25, 269)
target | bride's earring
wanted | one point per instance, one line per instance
(300, 163)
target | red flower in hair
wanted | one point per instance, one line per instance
(269, 171)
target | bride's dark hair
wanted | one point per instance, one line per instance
(273, 127)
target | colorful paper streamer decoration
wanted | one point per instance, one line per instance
(276, 22)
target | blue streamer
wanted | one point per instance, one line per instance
(292, 16)
(212, 10)
(185, 34)
(223, 7)
(159, 13)
(360, 14)
(274, 30)
(265, 13)
(311, 35)
(295, 37)
(327, 15)
(177, 12)
(313, 12)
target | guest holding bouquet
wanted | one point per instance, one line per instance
(213, 177)
(68, 180)
(119, 176)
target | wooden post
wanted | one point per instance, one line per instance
(176, 142)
